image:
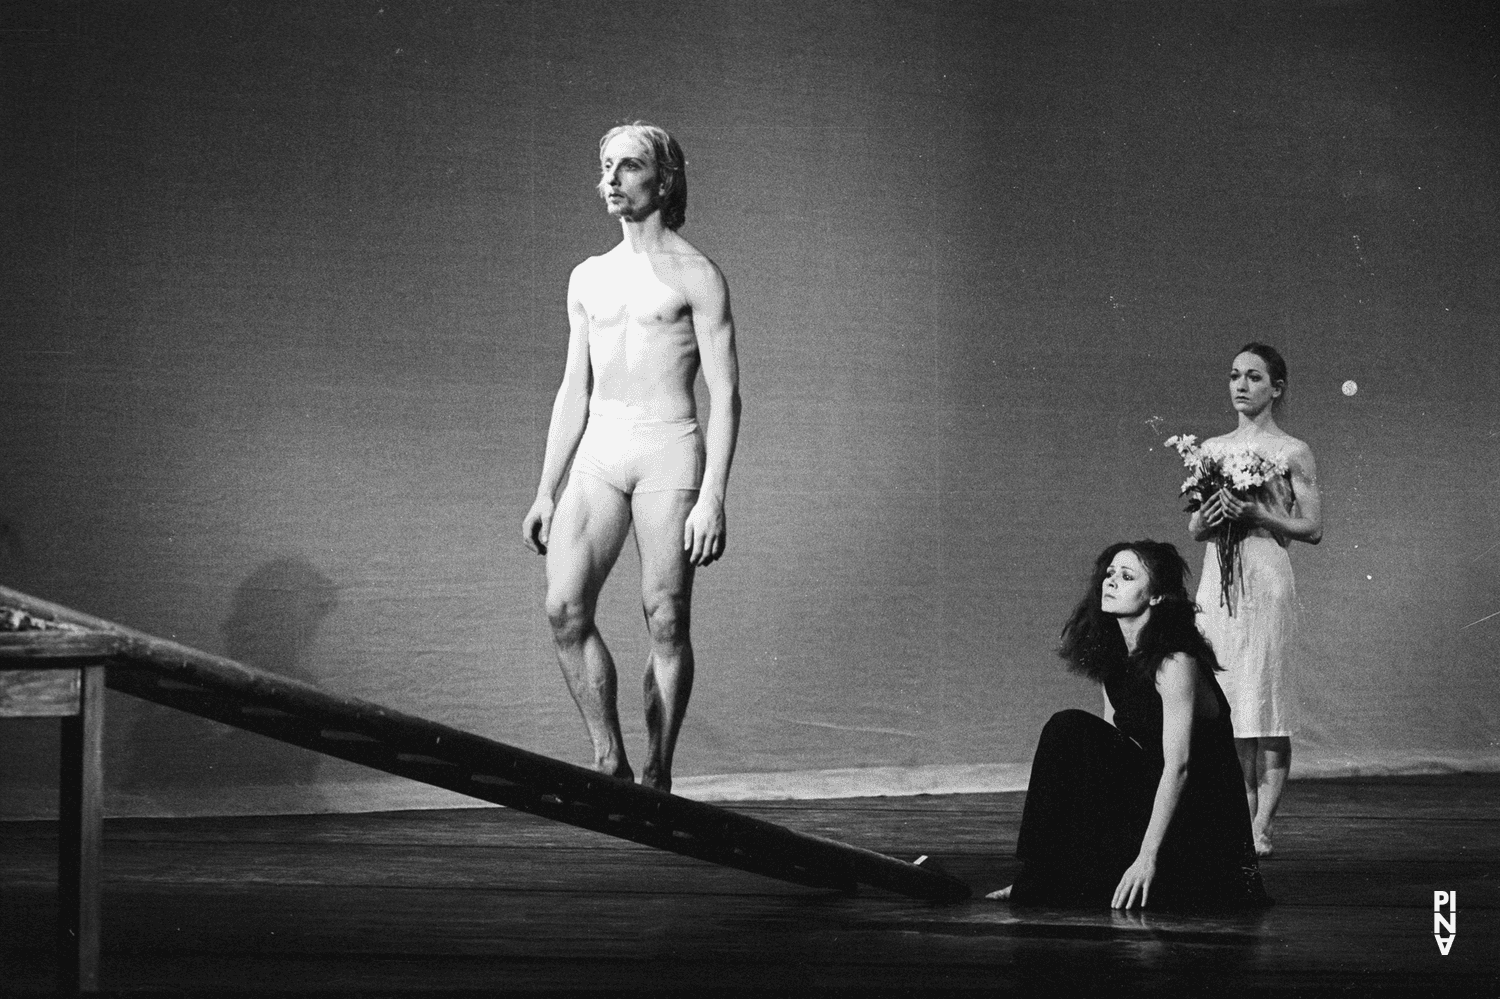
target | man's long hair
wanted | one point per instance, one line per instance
(671, 168)
(1092, 643)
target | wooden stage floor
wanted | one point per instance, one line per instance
(489, 901)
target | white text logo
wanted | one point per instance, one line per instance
(1444, 927)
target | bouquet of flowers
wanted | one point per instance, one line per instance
(1238, 468)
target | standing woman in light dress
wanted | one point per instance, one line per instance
(1252, 632)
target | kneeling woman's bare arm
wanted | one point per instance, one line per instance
(1176, 681)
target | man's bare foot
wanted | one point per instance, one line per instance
(1003, 895)
(620, 770)
(650, 777)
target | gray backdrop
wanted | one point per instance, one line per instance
(283, 317)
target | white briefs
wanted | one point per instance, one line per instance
(642, 456)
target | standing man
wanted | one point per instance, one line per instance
(643, 319)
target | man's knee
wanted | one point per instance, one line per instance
(569, 617)
(667, 618)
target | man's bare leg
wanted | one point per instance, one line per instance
(666, 599)
(588, 531)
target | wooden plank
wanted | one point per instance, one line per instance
(463, 762)
(259, 701)
(38, 693)
(39, 670)
(49, 649)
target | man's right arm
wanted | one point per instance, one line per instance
(570, 410)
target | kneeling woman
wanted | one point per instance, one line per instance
(1149, 809)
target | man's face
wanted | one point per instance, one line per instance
(628, 179)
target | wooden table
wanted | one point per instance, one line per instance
(60, 674)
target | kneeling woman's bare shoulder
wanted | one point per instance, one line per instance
(1178, 672)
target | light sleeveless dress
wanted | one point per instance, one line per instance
(1253, 634)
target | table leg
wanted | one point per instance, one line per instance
(80, 832)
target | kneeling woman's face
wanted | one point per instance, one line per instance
(1127, 587)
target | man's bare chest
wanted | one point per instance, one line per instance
(635, 299)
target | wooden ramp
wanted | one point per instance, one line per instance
(230, 692)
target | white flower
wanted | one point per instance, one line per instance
(1184, 445)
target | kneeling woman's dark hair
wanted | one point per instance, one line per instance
(1091, 640)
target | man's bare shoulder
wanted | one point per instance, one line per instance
(691, 265)
(586, 276)
(589, 266)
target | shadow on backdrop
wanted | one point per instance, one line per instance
(272, 623)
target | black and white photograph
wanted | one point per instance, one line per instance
(793, 497)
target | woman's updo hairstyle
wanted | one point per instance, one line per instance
(1275, 366)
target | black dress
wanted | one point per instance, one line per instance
(1090, 797)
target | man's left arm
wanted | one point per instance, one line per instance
(704, 535)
